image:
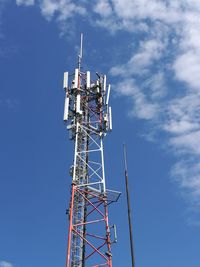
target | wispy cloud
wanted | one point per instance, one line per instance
(9, 103)
(25, 2)
(62, 11)
(142, 108)
(139, 63)
(5, 264)
(170, 50)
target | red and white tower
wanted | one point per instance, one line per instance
(88, 118)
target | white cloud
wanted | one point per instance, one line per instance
(59, 10)
(130, 14)
(25, 2)
(63, 9)
(5, 264)
(157, 84)
(142, 108)
(187, 175)
(139, 67)
(181, 126)
(183, 115)
(148, 52)
(103, 8)
(172, 46)
(128, 9)
(188, 142)
(187, 67)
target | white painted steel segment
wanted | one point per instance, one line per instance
(103, 170)
(75, 152)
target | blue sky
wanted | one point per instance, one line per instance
(150, 51)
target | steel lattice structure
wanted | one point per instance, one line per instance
(88, 118)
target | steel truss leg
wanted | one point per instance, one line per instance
(97, 242)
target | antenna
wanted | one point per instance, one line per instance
(81, 48)
(129, 207)
(108, 95)
(80, 56)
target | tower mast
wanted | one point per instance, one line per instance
(88, 118)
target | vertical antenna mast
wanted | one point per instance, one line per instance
(88, 119)
(80, 56)
(129, 207)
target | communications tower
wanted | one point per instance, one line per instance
(88, 117)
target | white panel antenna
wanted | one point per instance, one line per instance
(76, 78)
(66, 108)
(65, 80)
(108, 94)
(110, 118)
(104, 83)
(78, 104)
(88, 79)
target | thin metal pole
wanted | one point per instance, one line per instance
(80, 56)
(129, 207)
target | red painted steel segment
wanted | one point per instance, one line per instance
(106, 239)
(70, 228)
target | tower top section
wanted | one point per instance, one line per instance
(87, 94)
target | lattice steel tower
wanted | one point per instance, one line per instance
(88, 118)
